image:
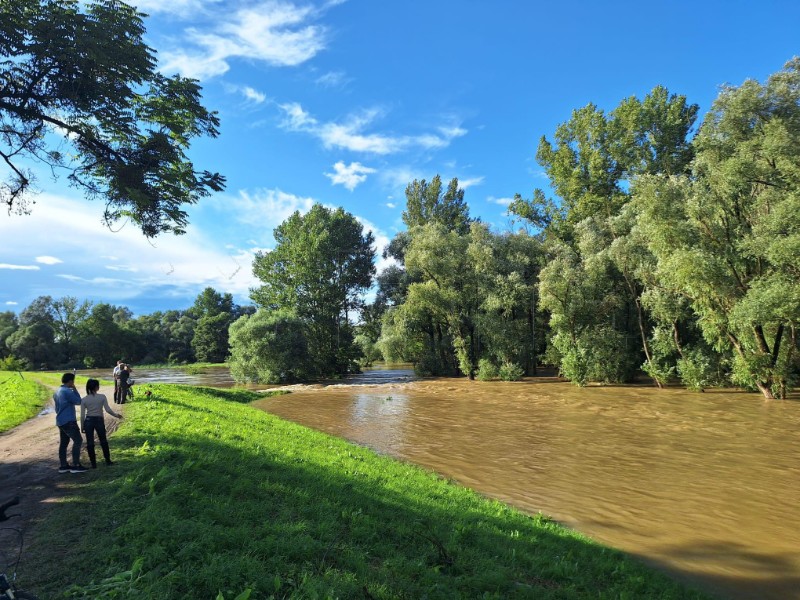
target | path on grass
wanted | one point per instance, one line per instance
(29, 465)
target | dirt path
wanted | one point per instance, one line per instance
(29, 466)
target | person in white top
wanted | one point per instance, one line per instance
(92, 407)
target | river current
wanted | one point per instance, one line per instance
(702, 485)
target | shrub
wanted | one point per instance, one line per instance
(511, 372)
(12, 363)
(487, 370)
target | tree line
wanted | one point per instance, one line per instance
(69, 333)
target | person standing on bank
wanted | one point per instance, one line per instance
(124, 378)
(66, 399)
(115, 374)
(92, 406)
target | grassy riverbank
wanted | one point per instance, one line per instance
(20, 399)
(211, 495)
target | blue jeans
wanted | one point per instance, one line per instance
(69, 431)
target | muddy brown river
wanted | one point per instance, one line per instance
(704, 486)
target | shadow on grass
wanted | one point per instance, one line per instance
(235, 498)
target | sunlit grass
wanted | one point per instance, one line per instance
(20, 399)
(211, 495)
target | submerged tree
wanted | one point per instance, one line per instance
(79, 90)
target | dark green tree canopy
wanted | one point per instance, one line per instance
(79, 90)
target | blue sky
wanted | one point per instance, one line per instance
(345, 102)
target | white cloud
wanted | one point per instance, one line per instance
(181, 8)
(48, 260)
(266, 207)
(332, 79)
(250, 93)
(467, 183)
(349, 134)
(500, 201)
(185, 264)
(398, 178)
(19, 267)
(11, 303)
(350, 175)
(391, 205)
(275, 32)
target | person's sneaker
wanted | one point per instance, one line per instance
(78, 469)
(63, 469)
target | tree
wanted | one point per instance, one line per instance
(592, 163)
(81, 72)
(321, 266)
(8, 325)
(68, 314)
(269, 347)
(425, 203)
(103, 340)
(214, 313)
(34, 340)
(727, 239)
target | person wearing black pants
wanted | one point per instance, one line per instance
(65, 400)
(92, 407)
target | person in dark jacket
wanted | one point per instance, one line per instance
(66, 399)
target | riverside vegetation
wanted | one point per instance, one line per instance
(212, 498)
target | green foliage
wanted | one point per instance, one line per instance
(210, 340)
(426, 204)
(727, 238)
(319, 269)
(83, 71)
(269, 347)
(699, 369)
(210, 496)
(487, 370)
(20, 398)
(593, 355)
(510, 372)
(370, 352)
(11, 363)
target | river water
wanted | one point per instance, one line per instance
(704, 486)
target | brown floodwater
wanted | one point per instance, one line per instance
(704, 486)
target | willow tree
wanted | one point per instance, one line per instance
(728, 237)
(80, 93)
(591, 163)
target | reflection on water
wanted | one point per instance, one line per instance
(221, 377)
(210, 376)
(703, 485)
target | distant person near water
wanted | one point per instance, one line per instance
(92, 407)
(125, 382)
(66, 399)
(115, 375)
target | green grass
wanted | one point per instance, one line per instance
(210, 495)
(20, 399)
